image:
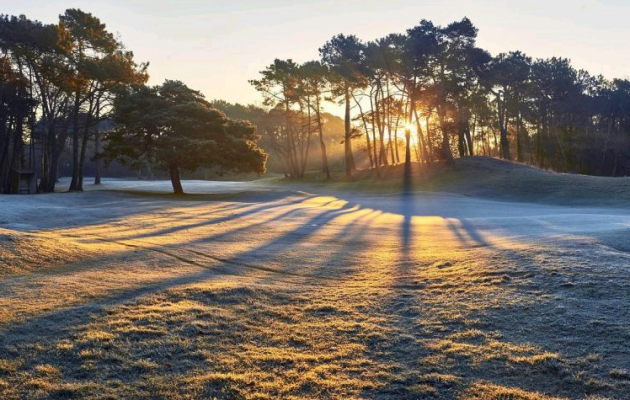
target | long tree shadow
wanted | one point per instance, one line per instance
(410, 348)
(264, 207)
(407, 308)
(285, 241)
(349, 240)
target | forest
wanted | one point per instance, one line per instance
(432, 94)
(427, 95)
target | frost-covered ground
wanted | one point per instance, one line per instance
(249, 290)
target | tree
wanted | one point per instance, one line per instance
(314, 82)
(556, 93)
(455, 66)
(420, 46)
(175, 128)
(344, 56)
(279, 89)
(98, 65)
(16, 111)
(30, 50)
(507, 79)
(270, 126)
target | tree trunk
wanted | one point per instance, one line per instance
(175, 180)
(390, 144)
(373, 122)
(381, 132)
(496, 143)
(376, 158)
(469, 141)
(322, 144)
(408, 149)
(409, 118)
(57, 149)
(46, 157)
(421, 141)
(367, 143)
(429, 140)
(308, 146)
(396, 139)
(74, 183)
(367, 131)
(505, 146)
(97, 161)
(84, 142)
(4, 154)
(389, 124)
(461, 141)
(519, 140)
(446, 145)
(292, 156)
(348, 139)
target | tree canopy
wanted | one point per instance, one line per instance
(451, 98)
(173, 127)
(70, 73)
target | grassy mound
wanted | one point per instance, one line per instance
(23, 253)
(489, 178)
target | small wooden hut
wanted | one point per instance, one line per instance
(23, 181)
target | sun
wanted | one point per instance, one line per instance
(413, 132)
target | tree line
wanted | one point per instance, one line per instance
(432, 94)
(270, 122)
(57, 83)
(74, 83)
(429, 94)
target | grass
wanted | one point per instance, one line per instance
(21, 253)
(305, 297)
(218, 341)
(483, 177)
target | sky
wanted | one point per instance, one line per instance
(217, 46)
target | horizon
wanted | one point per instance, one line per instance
(210, 47)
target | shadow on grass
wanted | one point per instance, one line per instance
(406, 343)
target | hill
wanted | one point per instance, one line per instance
(490, 178)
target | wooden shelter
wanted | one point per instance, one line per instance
(23, 181)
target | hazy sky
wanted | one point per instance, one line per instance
(216, 46)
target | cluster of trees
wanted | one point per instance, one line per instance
(270, 122)
(73, 83)
(57, 83)
(434, 93)
(295, 92)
